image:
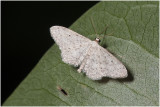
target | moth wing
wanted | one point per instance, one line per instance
(101, 63)
(73, 46)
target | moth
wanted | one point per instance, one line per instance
(86, 54)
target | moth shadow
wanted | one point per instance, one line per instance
(129, 78)
(104, 46)
(103, 80)
(75, 67)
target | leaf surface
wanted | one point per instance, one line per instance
(134, 41)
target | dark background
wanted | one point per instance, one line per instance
(26, 37)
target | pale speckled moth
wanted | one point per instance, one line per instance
(93, 59)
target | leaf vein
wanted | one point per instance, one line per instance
(95, 90)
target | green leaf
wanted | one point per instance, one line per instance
(134, 42)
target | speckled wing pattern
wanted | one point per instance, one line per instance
(93, 59)
(101, 63)
(73, 46)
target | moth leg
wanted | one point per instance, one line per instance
(82, 59)
(83, 63)
(82, 66)
(79, 70)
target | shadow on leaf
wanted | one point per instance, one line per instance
(129, 78)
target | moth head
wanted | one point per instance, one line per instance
(97, 40)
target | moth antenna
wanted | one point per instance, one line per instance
(93, 25)
(104, 31)
(107, 35)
